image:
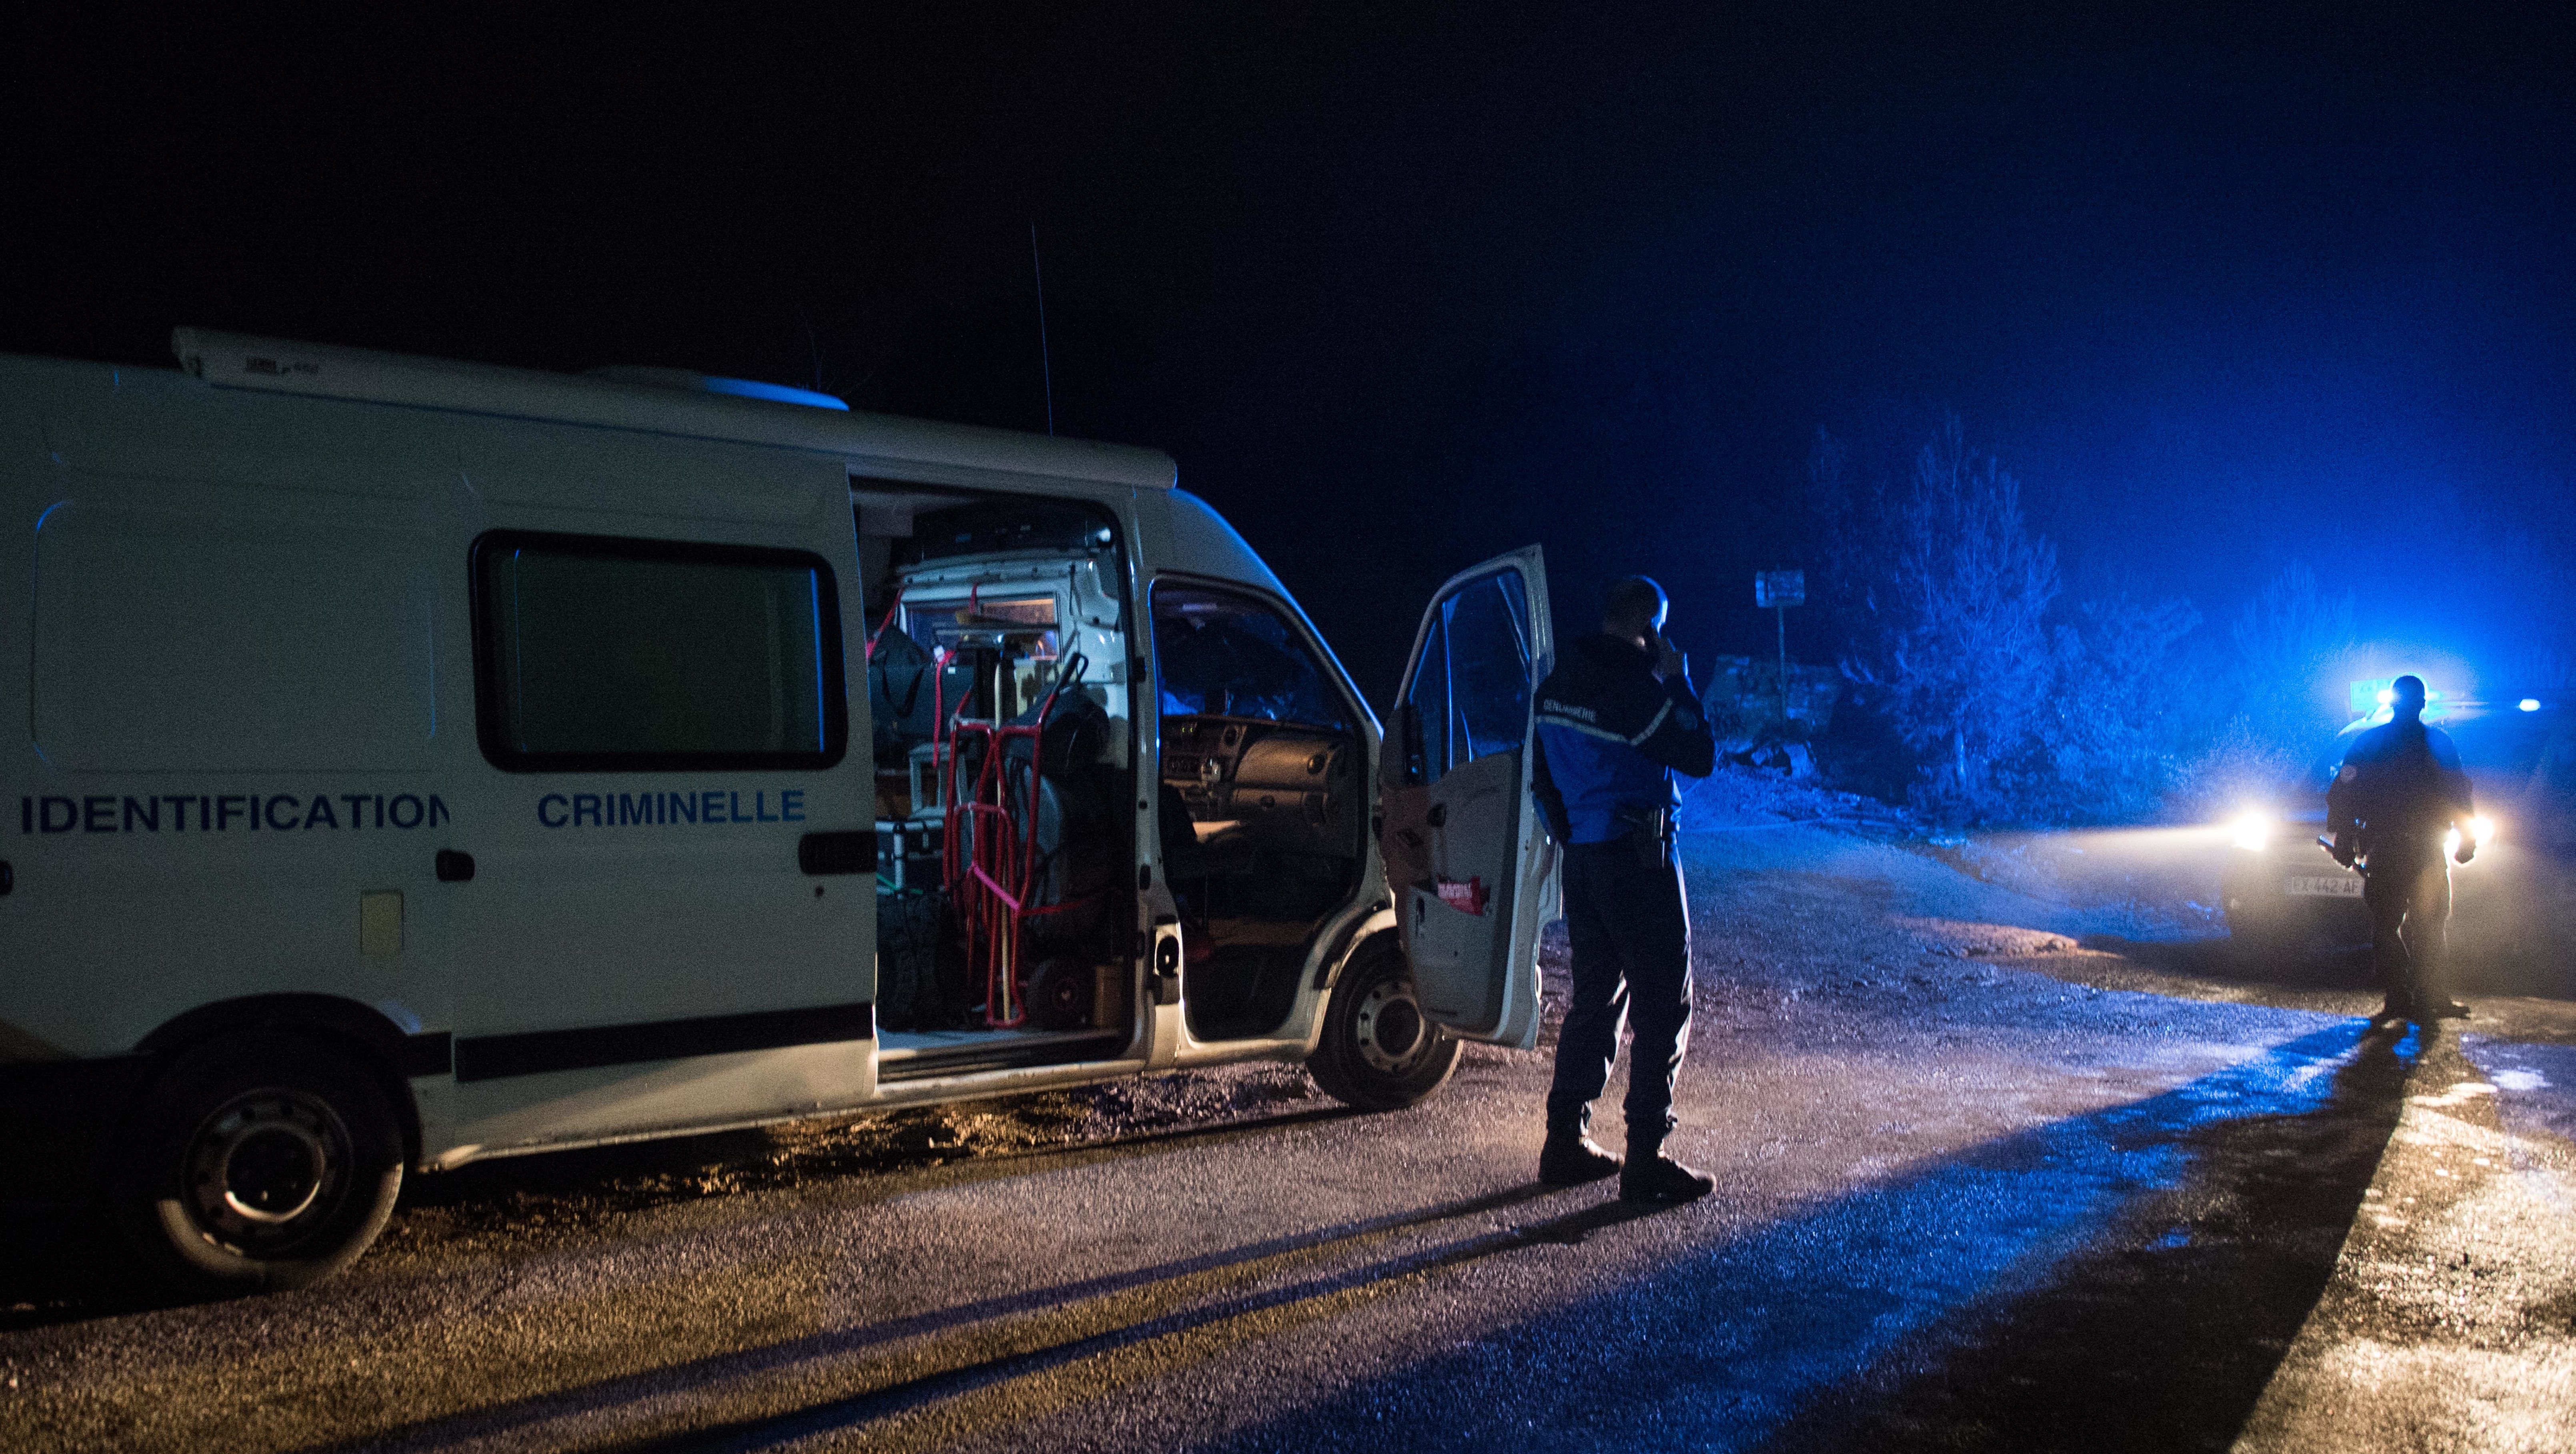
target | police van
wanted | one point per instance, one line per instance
(428, 762)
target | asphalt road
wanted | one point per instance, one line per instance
(1994, 1171)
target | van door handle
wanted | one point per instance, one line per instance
(847, 851)
(455, 867)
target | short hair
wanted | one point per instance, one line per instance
(1633, 601)
(2407, 691)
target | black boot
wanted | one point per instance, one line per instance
(1651, 1176)
(1571, 1158)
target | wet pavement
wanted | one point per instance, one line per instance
(2001, 1164)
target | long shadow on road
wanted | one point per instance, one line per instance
(1030, 1332)
(2127, 1279)
(1010, 1379)
(2163, 1335)
(74, 1269)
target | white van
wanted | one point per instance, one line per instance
(427, 762)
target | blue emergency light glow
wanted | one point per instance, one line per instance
(775, 393)
(2529, 704)
(2372, 698)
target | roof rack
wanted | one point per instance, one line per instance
(662, 401)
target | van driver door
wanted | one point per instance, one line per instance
(1467, 858)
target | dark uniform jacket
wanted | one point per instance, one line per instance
(2400, 787)
(1610, 738)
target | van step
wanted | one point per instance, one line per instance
(1002, 1054)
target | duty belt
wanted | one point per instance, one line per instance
(1655, 822)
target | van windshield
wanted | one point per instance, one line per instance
(1220, 655)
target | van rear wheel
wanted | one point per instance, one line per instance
(260, 1162)
(1378, 1052)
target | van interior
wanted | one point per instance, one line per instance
(1258, 805)
(1000, 666)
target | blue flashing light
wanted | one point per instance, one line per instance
(2529, 704)
(774, 393)
(2375, 697)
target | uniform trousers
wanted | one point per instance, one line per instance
(2408, 894)
(1629, 929)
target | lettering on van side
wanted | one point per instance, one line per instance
(666, 810)
(229, 813)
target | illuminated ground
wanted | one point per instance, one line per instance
(1981, 1185)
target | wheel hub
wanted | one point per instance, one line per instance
(1393, 1036)
(266, 1167)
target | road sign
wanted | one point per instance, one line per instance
(1779, 590)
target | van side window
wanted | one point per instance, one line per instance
(1470, 695)
(600, 654)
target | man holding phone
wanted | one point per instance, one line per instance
(1616, 719)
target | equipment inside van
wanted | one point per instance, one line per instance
(426, 762)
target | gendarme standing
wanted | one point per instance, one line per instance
(1616, 720)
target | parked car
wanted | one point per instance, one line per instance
(2282, 890)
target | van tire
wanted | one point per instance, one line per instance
(259, 1162)
(1377, 1052)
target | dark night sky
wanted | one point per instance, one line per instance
(1403, 292)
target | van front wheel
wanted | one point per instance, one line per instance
(1377, 1051)
(260, 1161)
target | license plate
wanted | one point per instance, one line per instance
(2338, 886)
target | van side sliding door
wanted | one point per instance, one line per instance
(661, 714)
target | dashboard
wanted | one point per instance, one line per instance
(1288, 787)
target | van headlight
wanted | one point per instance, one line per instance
(2253, 830)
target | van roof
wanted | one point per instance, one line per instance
(871, 443)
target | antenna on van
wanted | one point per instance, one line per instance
(1046, 367)
(813, 346)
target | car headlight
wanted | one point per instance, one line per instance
(2253, 830)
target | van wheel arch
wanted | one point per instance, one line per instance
(359, 1031)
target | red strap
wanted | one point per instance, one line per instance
(882, 625)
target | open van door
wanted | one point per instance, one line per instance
(1466, 856)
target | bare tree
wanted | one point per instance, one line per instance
(1969, 663)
